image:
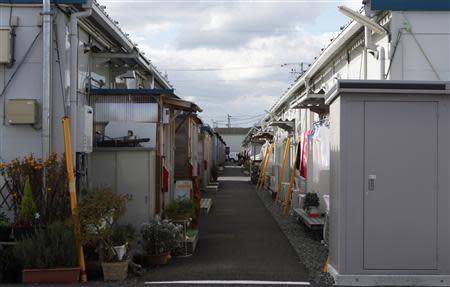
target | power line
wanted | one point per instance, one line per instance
(212, 69)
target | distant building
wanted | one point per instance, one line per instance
(233, 137)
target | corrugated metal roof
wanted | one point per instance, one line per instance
(80, 2)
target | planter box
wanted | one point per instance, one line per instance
(115, 271)
(54, 275)
(192, 241)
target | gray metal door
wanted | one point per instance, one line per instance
(400, 193)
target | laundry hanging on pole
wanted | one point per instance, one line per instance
(299, 153)
(304, 160)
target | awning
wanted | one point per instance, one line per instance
(285, 125)
(262, 136)
(127, 92)
(314, 102)
(182, 105)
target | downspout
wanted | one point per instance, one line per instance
(73, 96)
(46, 76)
(382, 59)
(367, 43)
(378, 52)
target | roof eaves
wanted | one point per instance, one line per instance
(109, 25)
(347, 33)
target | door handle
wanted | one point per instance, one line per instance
(371, 182)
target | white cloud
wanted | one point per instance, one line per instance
(247, 41)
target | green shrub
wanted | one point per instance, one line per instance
(52, 200)
(54, 246)
(99, 210)
(181, 209)
(122, 234)
(4, 220)
(28, 206)
(159, 237)
(311, 200)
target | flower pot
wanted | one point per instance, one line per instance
(313, 212)
(53, 275)
(5, 233)
(115, 271)
(120, 251)
(94, 269)
(162, 259)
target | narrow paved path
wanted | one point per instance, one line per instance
(239, 240)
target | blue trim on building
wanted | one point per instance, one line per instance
(80, 2)
(111, 92)
(411, 5)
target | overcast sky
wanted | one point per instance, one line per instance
(228, 56)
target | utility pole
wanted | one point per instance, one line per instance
(229, 121)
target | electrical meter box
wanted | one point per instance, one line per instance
(5, 46)
(85, 128)
(22, 111)
(166, 115)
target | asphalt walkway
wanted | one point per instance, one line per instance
(239, 240)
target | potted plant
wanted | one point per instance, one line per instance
(181, 209)
(99, 211)
(121, 238)
(214, 173)
(158, 239)
(28, 212)
(311, 204)
(5, 227)
(49, 255)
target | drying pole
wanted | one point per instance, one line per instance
(263, 181)
(283, 168)
(263, 162)
(291, 182)
(73, 196)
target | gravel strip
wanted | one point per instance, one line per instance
(307, 244)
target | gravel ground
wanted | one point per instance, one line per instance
(307, 244)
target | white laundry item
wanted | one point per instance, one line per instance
(323, 139)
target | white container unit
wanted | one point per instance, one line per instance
(389, 183)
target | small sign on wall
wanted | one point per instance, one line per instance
(183, 189)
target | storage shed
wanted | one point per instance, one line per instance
(389, 183)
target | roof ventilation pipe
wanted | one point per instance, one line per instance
(72, 104)
(369, 27)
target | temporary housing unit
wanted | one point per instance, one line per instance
(186, 147)
(391, 40)
(233, 137)
(84, 49)
(390, 193)
(218, 149)
(79, 63)
(205, 155)
(145, 171)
